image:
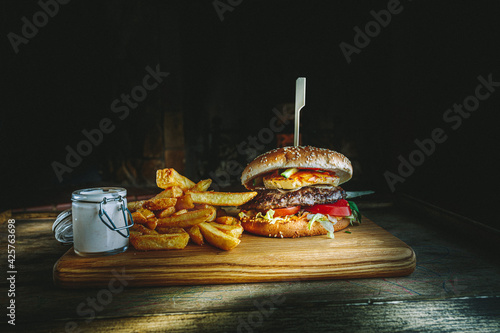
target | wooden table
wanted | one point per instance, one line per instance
(455, 287)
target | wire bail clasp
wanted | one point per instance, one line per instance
(110, 224)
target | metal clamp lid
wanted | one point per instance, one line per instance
(63, 227)
(110, 224)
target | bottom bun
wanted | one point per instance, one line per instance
(290, 229)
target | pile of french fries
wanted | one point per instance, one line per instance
(185, 211)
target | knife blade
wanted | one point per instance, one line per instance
(355, 194)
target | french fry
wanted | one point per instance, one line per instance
(166, 178)
(218, 238)
(138, 217)
(185, 210)
(171, 192)
(213, 216)
(230, 220)
(159, 204)
(184, 202)
(143, 216)
(205, 206)
(170, 230)
(152, 223)
(146, 213)
(195, 234)
(213, 211)
(221, 198)
(187, 219)
(165, 212)
(180, 212)
(134, 233)
(174, 241)
(141, 229)
(135, 205)
(202, 185)
(231, 230)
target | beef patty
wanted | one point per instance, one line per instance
(305, 196)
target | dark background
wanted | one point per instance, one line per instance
(225, 78)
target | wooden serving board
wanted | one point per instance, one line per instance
(368, 251)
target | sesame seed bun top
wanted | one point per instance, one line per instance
(302, 157)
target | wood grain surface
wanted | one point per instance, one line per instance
(368, 251)
(455, 288)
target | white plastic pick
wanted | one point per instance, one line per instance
(300, 101)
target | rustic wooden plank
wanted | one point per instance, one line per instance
(369, 251)
(448, 315)
(484, 234)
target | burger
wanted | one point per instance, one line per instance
(298, 193)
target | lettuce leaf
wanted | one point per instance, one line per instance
(324, 220)
(355, 214)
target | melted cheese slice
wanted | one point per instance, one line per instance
(300, 179)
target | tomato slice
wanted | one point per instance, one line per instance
(286, 211)
(339, 208)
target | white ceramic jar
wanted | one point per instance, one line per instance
(100, 221)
